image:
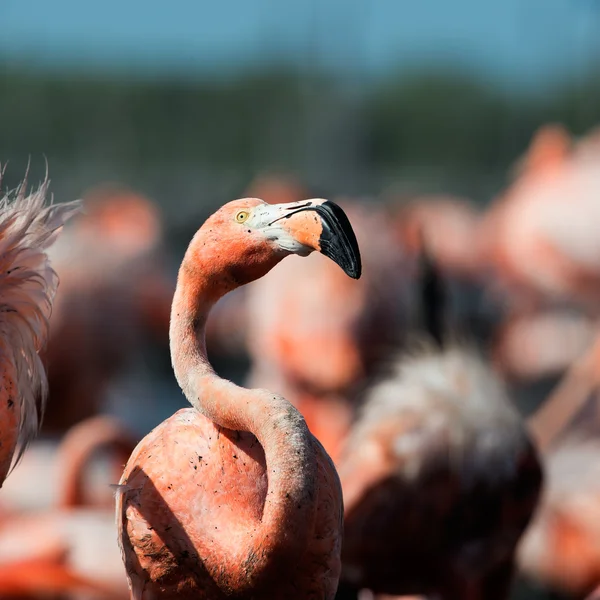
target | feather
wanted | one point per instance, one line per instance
(28, 284)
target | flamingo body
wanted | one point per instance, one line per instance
(440, 481)
(226, 472)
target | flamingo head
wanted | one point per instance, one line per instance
(248, 237)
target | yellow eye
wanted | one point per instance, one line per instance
(242, 216)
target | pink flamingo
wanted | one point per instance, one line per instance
(28, 284)
(542, 343)
(450, 226)
(235, 496)
(560, 547)
(71, 546)
(110, 262)
(439, 474)
(540, 235)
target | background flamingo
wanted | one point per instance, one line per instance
(450, 227)
(561, 548)
(439, 475)
(526, 345)
(549, 215)
(70, 548)
(112, 263)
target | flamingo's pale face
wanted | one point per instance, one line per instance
(252, 233)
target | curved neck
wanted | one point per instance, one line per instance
(78, 448)
(566, 400)
(287, 443)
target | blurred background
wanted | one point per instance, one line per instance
(187, 102)
(158, 113)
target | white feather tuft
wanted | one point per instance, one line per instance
(27, 288)
(457, 408)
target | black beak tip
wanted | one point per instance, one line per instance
(338, 241)
(355, 271)
(353, 268)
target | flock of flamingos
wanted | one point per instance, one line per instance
(419, 418)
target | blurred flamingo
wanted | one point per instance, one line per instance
(449, 225)
(70, 548)
(541, 234)
(531, 345)
(28, 284)
(313, 337)
(206, 509)
(561, 548)
(440, 477)
(47, 576)
(277, 188)
(567, 400)
(110, 264)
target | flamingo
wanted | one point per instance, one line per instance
(70, 546)
(526, 345)
(560, 547)
(440, 476)
(450, 226)
(110, 262)
(235, 497)
(277, 188)
(540, 235)
(80, 445)
(28, 284)
(567, 399)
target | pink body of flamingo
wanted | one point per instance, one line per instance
(440, 480)
(235, 496)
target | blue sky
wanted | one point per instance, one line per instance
(521, 42)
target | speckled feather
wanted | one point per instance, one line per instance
(188, 546)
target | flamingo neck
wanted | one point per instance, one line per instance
(291, 462)
(566, 400)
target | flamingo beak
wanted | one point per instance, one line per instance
(319, 225)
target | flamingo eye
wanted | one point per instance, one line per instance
(242, 216)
